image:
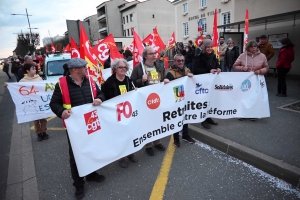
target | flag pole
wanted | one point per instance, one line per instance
(90, 83)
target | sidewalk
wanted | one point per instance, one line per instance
(271, 144)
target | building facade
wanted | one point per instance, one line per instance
(93, 27)
(272, 18)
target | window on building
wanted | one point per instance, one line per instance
(124, 33)
(185, 8)
(123, 20)
(128, 32)
(202, 3)
(204, 25)
(127, 18)
(131, 17)
(152, 16)
(185, 29)
(226, 18)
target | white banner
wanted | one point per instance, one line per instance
(123, 125)
(32, 99)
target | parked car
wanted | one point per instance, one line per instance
(53, 66)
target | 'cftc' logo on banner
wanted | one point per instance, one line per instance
(92, 121)
(178, 93)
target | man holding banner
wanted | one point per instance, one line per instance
(154, 73)
(72, 90)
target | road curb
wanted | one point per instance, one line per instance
(270, 165)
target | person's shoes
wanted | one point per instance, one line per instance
(79, 193)
(160, 147)
(132, 158)
(188, 139)
(205, 125)
(211, 121)
(45, 136)
(241, 119)
(123, 163)
(252, 119)
(177, 143)
(95, 177)
(150, 151)
(39, 137)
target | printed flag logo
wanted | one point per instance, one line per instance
(178, 93)
(92, 121)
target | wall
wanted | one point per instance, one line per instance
(129, 24)
(113, 18)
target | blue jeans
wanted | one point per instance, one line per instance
(229, 69)
(185, 132)
(8, 75)
(16, 75)
(222, 66)
(189, 65)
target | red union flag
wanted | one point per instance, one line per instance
(215, 35)
(74, 49)
(67, 48)
(52, 48)
(199, 40)
(86, 53)
(147, 40)
(130, 47)
(246, 29)
(171, 42)
(156, 41)
(138, 48)
(92, 121)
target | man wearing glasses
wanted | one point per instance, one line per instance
(154, 73)
(178, 70)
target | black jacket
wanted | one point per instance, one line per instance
(189, 57)
(231, 56)
(111, 89)
(14, 67)
(78, 95)
(204, 63)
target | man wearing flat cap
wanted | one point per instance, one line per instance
(77, 88)
(265, 47)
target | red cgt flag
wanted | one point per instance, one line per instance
(215, 35)
(198, 41)
(74, 49)
(246, 29)
(157, 41)
(147, 40)
(52, 48)
(171, 42)
(67, 48)
(138, 48)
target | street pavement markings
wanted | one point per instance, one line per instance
(51, 128)
(162, 178)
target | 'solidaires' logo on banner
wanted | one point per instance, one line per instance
(178, 93)
(246, 85)
(227, 87)
(92, 121)
(200, 89)
(153, 101)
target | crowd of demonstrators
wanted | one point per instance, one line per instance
(14, 68)
(206, 62)
(284, 64)
(27, 60)
(222, 50)
(40, 125)
(252, 60)
(231, 54)
(190, 54)
(6, 68)
(265, 47)
(179, 49)
(128, 55)
(148, 73)
(79, 93)
(178, 70)
(117, 84)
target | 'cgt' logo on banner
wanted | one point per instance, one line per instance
(178, 93)
(92, 121)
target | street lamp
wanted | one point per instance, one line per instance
(27, 19)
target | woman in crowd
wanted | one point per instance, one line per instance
(206, 62)
(117, 84)
(251, 61)
(283, 65)
(231, 54)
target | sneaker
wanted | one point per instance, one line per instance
(205, 125)
(150, 151)
(211, 121)
(40, 137)
(253, 119)
(188, 139)
(79, 193)
(132, 158)
(45, 136)
(160, 147)
(95, 177)
(177, 143)
(123, 163)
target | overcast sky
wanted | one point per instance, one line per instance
(46, 15)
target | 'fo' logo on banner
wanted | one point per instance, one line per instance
(92, 121)
(246, 85)
(178, 93)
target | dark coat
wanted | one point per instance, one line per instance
(231, 56)
(110, 88)
(14, 67)
(176, 73)
(189, 57)
(78, 95)
(5, 67)
(137, 74)
(204, 63)
(285, 57)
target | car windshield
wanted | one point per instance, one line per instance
(55, 68)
